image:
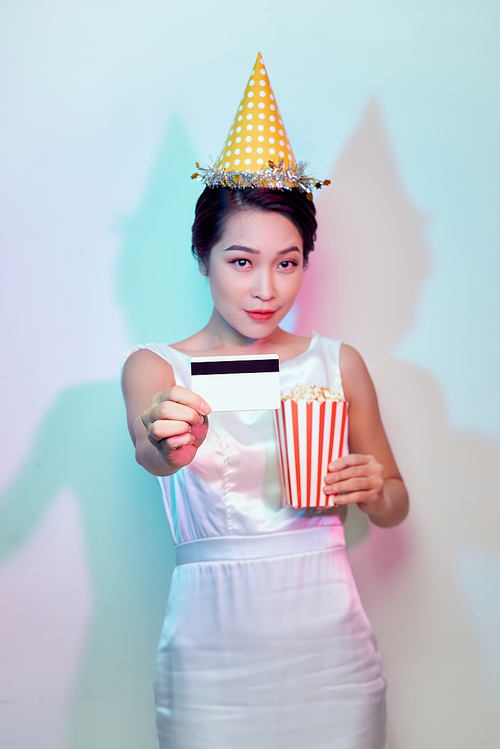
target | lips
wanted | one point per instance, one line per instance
(260, 315)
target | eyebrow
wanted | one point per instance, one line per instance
(242, 248)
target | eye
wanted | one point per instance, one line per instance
(287, 264)
(241, 262)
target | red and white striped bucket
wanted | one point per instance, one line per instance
(310, 436)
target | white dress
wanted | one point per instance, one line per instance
(265, 643)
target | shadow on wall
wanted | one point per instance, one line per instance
(83, 444)
(362, 287)
(160, 289)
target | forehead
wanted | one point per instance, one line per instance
(260, 230)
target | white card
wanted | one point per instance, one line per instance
(237, 383)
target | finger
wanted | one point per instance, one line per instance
(359, 471)
(353, 459)
(351, 498)
(350, 486)
(200, 430)
(180, 440)
(179, 456)
(185, 397)
(173, 411)
(164, 429)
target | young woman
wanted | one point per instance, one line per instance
(265, 642)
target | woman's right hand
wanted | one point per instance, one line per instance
(176, 425)
(166, 428)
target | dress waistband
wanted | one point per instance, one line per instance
(227, 548)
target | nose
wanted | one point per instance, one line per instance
(263, 285)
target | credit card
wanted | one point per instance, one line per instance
(237, 383)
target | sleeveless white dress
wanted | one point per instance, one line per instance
(265, 643)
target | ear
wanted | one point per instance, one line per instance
(202, 268)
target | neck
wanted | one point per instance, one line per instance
(220, 335)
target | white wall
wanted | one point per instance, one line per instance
(106, 106)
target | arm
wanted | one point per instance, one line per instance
(167, 422)
(369, 475)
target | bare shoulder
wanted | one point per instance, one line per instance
(350, 358)
(355, 376)
(145, 369)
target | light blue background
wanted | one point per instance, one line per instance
(106, 106)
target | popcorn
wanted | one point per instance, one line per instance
(311, 429)
(310, 393)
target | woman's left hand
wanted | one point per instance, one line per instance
(357, 479)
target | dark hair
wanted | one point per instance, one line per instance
(216, 204)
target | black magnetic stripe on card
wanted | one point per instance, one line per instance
(234, 367)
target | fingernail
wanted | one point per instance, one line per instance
(200, 420)
(205, 408)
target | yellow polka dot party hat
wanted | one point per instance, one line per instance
(257, 152)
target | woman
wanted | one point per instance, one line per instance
(265, 643)
(271, 648)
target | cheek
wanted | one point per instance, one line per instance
(224, 284)
(291, 285)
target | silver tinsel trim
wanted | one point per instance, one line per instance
(273, 177)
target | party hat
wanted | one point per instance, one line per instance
(257, 152)
(257, 134)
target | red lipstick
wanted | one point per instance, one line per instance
(260, 315)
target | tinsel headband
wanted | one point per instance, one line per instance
(257, 152)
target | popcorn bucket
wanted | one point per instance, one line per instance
(310, 436)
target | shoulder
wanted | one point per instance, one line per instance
(147, 366)
(153, 354)
(351, 360)
(356, 379)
